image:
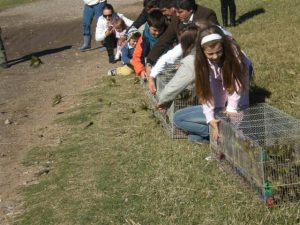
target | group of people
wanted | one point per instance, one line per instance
(210, 58)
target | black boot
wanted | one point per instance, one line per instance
(225, 22)
(110, 44)
(111, 55)
(232, 11)
(224, 13)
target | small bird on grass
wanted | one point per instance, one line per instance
(113, 81)
(56, 99)
(136, 80)
(35, 61)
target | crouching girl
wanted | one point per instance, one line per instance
(222, 83)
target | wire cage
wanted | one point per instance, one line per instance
(184, 99)
(262, 144)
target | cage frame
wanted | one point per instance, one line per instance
(271, 182)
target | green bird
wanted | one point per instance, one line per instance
(35, 61)
(56, 99)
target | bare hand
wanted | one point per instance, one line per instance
(151, 86)
(161, 107)
(144, 75)
(215, 126)
(231, 114)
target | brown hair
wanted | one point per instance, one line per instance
(233, 68)
(187, 38)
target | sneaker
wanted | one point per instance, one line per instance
(112, 72)
(117, 57)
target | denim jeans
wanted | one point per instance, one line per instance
(88, 13)
(193, 121)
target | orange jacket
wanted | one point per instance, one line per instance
(137, 62)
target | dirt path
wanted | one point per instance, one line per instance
(51, 30)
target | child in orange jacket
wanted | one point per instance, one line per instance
(154, 27)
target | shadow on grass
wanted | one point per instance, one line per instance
(250, 15)
(38, 54)
(258, 94)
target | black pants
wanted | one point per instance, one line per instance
(110, 42)
(225, 4)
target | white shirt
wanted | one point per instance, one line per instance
(169, 58)
(92, 2)
(102, 26)
(172, 55)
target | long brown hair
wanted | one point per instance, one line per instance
(232, 65)
(187, 38)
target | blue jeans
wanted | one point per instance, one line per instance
(88, 13)
(193, 121)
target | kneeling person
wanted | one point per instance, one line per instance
(126, 56)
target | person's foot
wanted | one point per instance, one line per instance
(112, 72)
(117, 57)
(84, 48)
(111, 60)
(232, 23)
(197, 139)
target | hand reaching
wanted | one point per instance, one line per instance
(161, 107)
(151, 86)
(215, 126)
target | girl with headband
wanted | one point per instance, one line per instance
(222, 83)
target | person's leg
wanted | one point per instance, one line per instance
(118, 52)
(224, 12)
(98, 10)
(110, 43)
(3, 59)
(193, 121)
(86, 23)
(232, 11)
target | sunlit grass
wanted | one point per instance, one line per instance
(123, 169)
(10, 3)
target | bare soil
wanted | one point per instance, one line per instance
(26, 93)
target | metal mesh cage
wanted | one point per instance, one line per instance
(262, 144)
(184, 99)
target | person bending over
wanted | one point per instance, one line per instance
(154, 27)
(221, 81)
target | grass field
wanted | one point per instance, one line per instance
(123, 169)
(10, 3)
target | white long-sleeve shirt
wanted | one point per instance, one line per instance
(102, 26)
(92, 2)
(169, 58)
(236, 100)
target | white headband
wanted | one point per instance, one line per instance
(210, 37)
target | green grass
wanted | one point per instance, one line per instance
(10, 3)
(125, 170)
